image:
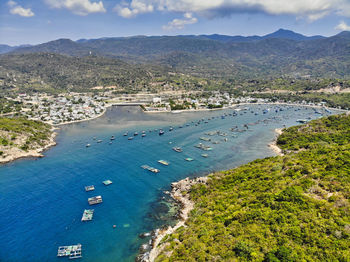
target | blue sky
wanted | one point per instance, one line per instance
(38, 21)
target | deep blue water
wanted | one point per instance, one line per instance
(42, 200)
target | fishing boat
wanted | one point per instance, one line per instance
(95, 200)
(90, 188)
(177, 149)
(189, 159)
(161, 132)
(87, 215)
(163, 162)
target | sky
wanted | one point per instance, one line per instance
(39, 21)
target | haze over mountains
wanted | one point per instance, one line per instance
(280, 54)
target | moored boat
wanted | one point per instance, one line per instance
(177, 149)
(163, 162)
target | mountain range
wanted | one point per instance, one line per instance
(282, 53)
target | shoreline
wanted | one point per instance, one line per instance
(83, 120)
(33, 152)
(187, 205)
(180, 192)
(273, 145)
(236, 105)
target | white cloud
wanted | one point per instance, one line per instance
(310, 9)
(16, 9)
(78, 7)
(136, 7)
(180, 23)
(343, 26)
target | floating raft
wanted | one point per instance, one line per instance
(89, 188)
(163, 162)
(72, 252)
(87, 215)
(95, 200)
(149, 168)
(107, 182)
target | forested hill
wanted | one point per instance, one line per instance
(283, 53)
(290, 208)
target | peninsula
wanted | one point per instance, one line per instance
(285, 208)
(21, 137)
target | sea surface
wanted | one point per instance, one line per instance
(42, 200)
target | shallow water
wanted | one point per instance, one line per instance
(42, 200)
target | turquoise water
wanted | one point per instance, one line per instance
(42, 200)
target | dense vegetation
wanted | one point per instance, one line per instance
(211, 57)
(22, 133)
(290, 208)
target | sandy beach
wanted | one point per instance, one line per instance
(273, 144)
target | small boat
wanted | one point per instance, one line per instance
(163, 162)
(171, 129)
(125, 134)
(112, 137)
(95, 200)
(177, 149)
(130, 138)
(110, 143)
(205, 155)
(87, 215)
(161, 132)
(99, 141)
(107, 182)
(143, 135)
(189, 159)
(89, 188)
(88, 145)
(136, 134)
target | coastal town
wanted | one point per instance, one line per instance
(70, 107)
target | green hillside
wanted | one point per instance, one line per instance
(290, 208)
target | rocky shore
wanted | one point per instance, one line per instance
(180, 192)
(16, 153)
